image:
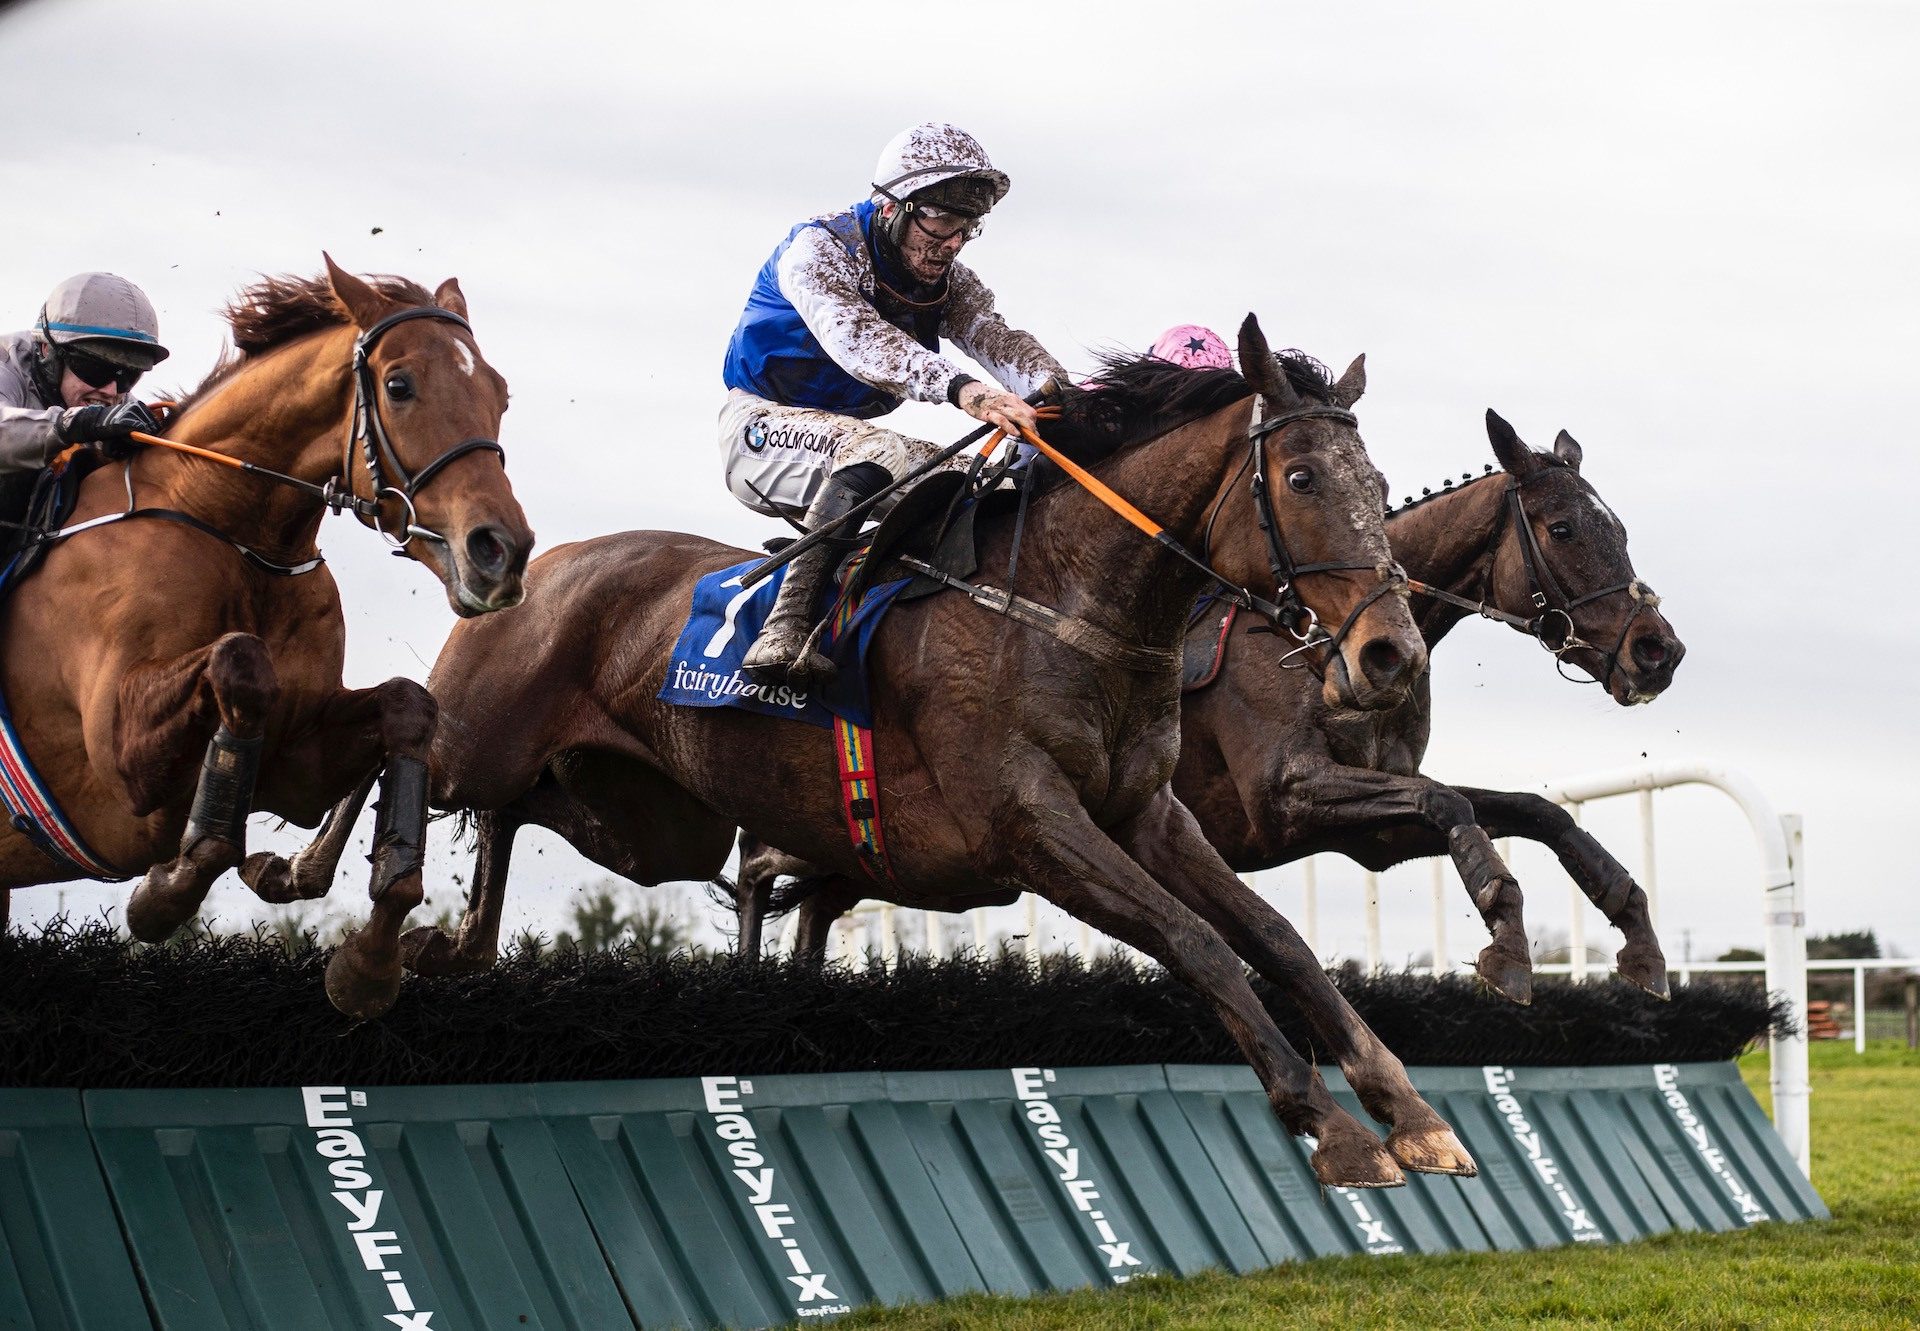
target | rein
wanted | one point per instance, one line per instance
(1544, 590)
(365, 427)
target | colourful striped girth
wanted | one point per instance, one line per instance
(853, 755)
(36, 814)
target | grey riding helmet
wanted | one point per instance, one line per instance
(105, 316)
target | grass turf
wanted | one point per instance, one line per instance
(1859, 1270)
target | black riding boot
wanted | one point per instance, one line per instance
(780, 654)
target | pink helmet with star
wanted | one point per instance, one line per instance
(1194, 346)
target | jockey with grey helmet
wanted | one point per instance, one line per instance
(843, 323)
(65, 380)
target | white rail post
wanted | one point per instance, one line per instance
(889, 936)
(1649, 871)
(1033, 927)
(1373, 923)
(979, 917)
(1859, 1009)
(1787, 976)
(1311, 878)
(936, 937)
(1576, 918)
(1440, 966)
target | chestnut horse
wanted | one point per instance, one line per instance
(1007, 753)
(1273, 773)
(197, 621)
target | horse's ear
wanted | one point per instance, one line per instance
(1514, 455)
(363, 304)
(1567, 449)
(1257, 364)
(450, 298)
(1352, 384)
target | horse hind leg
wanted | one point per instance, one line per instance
(156, 717)
(428, 950)
(309, 874)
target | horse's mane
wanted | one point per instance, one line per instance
(1130, 399)
(276, 310)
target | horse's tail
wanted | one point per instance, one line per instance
(790, 893)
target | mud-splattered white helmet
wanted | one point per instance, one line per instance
(919, 159)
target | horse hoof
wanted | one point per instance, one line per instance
(1507, 975)
(1431, 1150)
(1646, 968)
(360, 986)
(1355, 1159)
(270, 876)
(152, 916)
(427, 950)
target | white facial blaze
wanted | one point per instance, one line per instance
(466, 357)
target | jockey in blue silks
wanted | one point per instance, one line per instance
(844, 323)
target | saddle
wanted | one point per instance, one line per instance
(933, 522)
(33, 505)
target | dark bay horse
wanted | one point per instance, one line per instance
(1007, 757)
(1273, 773)
(204, 636)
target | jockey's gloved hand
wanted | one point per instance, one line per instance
(108, 426)
(997, 407)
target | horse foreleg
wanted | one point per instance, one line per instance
(1603, 879)
(1425, 818)
(165, 714)
(1044, 840)
(1168, 843)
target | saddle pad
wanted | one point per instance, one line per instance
(726, 617)
(1205, 647)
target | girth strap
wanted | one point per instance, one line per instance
(1083, 636)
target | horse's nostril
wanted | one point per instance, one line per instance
(1380, 659)
(1649, 651)
(487, 552)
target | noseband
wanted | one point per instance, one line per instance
(366, 428)
(1553, 605)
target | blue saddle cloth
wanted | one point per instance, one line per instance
(727, 617)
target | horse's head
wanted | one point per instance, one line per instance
(1562, 563)
(1326, 501)
(428, 410)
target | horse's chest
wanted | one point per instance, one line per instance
(1117, 749)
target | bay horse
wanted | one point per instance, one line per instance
(1007, 755)
(186, 622)
(1273, 773)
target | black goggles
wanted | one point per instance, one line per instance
(943, 224)
(97, 373)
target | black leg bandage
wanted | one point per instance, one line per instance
(400, 827)
(1587, 861)
(225, 794)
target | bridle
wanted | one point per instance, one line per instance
(1287, 611)
(366, 428)
(1554, 606)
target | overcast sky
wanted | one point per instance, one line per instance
(1683, 231)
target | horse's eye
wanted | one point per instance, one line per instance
(1300, 480)
(399, 387)
(1560, 531)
